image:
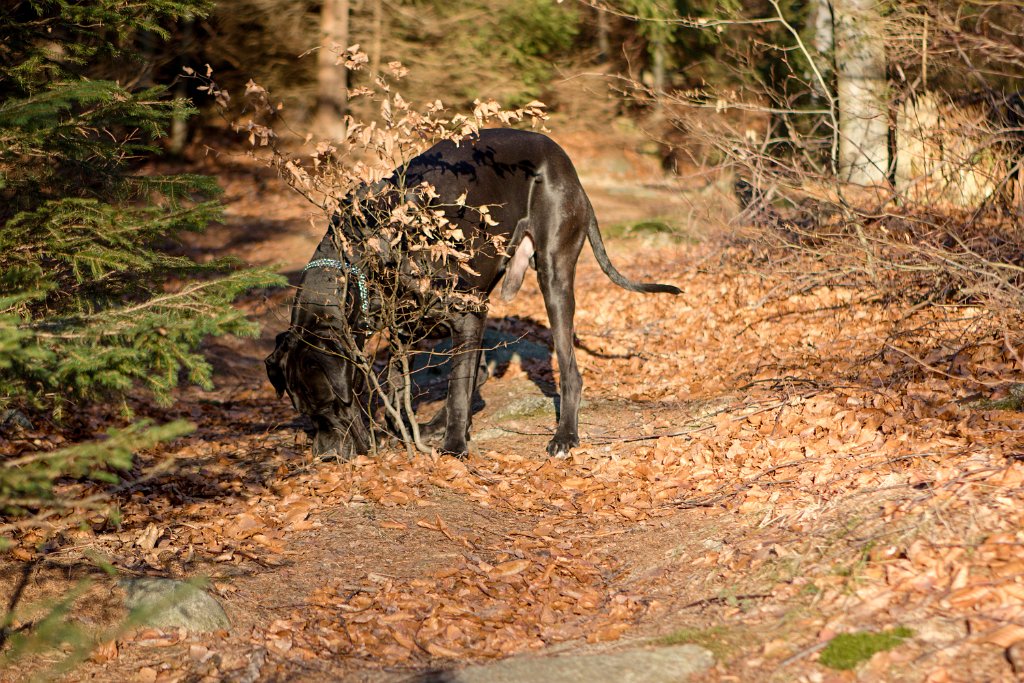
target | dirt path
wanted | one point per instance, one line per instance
(754, 478)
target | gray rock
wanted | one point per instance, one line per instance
(530, 403)
(489, 434)
(938, 631)
(12, 420)
(661, 665)
(167, 603)
(535, 405)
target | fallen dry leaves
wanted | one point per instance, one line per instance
(860, 467)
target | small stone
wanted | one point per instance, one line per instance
(167, 603)
(12, 421)
(938, 631)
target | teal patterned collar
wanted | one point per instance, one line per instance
(364, 301)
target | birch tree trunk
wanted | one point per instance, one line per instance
(862, 91)
(332, 78)
(824, 43)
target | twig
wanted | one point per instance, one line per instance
(937, 371)
(806, 652)
(725, 599)
(407, 393)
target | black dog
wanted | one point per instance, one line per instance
(544, 215)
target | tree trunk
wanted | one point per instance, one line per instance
(658, 50)
(332, 78)
(603, 44)
(824, 43)
(378, 38)
(179, 124)
(862, 91)
(824, 36)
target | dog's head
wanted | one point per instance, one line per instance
(324, 385)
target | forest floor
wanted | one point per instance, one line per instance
(764, 466)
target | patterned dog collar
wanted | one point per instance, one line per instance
(364, 302)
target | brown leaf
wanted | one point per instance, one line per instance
(148, 538)
(244, 525)
(22, 554)
(104, 652)
(938, 675)
(1005, 636)
(404, 639)
(439, 650)
(510, 568)
(968, 597)
(607, 632)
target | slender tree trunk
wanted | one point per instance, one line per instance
(332, 78)
(179, 124)
(862, 91)
(378, 37)
(658, 51)
(603, 45)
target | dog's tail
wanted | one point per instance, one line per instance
(597, 244)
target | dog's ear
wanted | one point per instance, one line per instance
(276, 361)
(340, 372)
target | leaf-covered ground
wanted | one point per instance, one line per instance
(764, 466)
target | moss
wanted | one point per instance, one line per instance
(650, 226)
(1015, 401)
(847, 650)
(718, 640)
(1008, 403)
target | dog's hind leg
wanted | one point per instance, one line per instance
(556, 273)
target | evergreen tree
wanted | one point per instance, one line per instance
(86, 308)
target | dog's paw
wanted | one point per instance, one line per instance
(561, 445)
(456, 449)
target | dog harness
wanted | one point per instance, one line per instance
(364, 301)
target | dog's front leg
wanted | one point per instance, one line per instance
(467, 336)
(437, 424)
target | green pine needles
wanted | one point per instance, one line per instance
(94, 302)
(91, 302)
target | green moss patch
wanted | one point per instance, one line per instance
(1015, 401)
(653, 226)
(718, 640)
(847, 650)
